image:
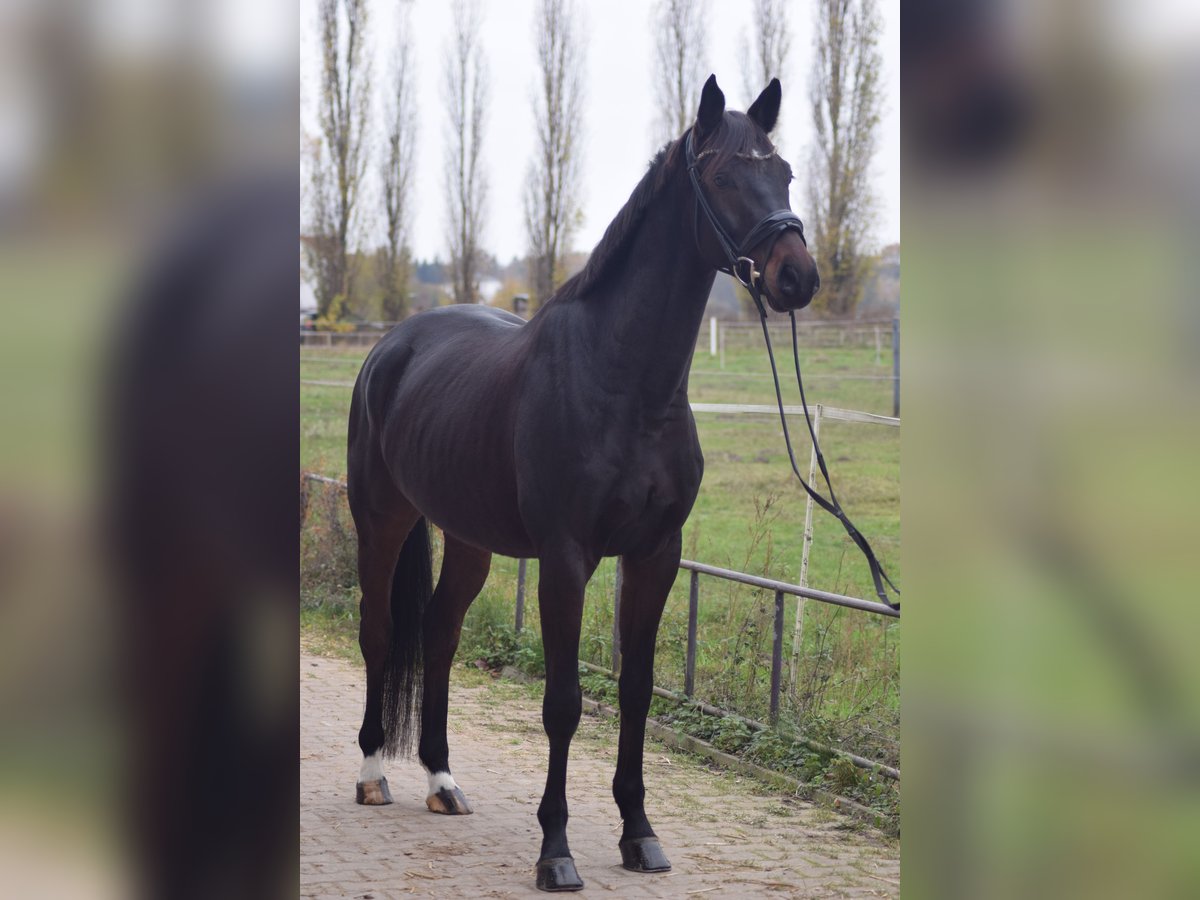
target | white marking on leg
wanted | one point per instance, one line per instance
(439, 781)
(372, 768)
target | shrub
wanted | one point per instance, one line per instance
(328, 543)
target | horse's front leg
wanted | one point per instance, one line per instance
(562, 579)
(645, 584)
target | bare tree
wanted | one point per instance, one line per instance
(321, 257)
(846, 100)
(766, 47)
(466, 182)
(552, 209)
(680, 62)
(396, 171)
(337, 161)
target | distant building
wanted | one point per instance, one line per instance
(881, 294)
(489, 288)
(308, 298)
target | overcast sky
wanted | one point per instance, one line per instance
(619, 110)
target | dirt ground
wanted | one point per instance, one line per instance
(726, 835)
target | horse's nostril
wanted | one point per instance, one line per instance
(789, 279)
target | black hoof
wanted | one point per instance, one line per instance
(558, 874)
(644, 855)
(373, 793)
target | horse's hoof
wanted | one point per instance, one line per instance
(449, 801)
(558, 874)
(373, 793)
(644, 854)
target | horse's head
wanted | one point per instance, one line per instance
(742, 197)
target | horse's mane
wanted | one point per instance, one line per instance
(736, 135)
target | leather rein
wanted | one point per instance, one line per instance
(742, 267)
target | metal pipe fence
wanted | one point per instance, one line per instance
(821, 413)
(340, 338)
(780, 589)
(864, 333)
(855, 333)
(722, 333)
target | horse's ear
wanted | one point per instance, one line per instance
(712, 107)
(765, 110)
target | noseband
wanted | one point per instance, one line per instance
(741, 266)
(771, 226)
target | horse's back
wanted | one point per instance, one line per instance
(428, 341)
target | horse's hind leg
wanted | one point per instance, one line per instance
(380, 539)
(464, 570)
(645, 584)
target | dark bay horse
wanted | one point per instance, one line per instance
(567, 439)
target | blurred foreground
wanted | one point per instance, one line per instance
(148, 268)
(1051, 695)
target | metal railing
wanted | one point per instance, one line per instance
(781, 589)
(821, 413)
(340, 338)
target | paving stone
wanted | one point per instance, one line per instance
(712, 826)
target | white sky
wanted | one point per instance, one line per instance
(619, 111)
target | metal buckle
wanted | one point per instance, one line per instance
(752, 274)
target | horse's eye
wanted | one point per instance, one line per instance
(721, 180)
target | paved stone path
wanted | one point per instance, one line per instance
(726, 835)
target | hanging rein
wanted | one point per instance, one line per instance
(741, 266)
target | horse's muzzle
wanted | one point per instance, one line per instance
(792, 279)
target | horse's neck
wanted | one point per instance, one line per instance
(653, 307)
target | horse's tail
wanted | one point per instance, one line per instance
(412, 586)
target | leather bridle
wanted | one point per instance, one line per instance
(772, 226)
(742, 267)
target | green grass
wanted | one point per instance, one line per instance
(749, 516)
(330, 628)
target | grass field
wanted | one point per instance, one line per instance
(749, 516)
